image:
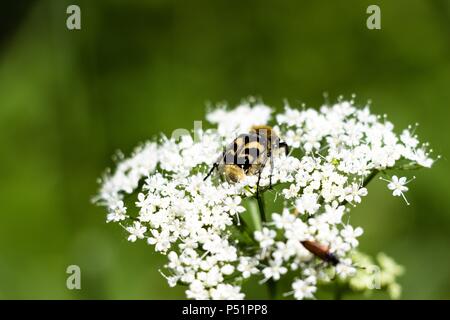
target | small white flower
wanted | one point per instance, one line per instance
(232, 205)
(284, 220)
(274, 270)
(117, 212)
(227, 292)
(421, 157)
(291, 192)
(398, 186)
(297, 231)
(334, 214)
(197, 291)
(284, 251)
(161, 240)
(136, 231)
(227, 269)
(304, 289)
(408, 139)
(265, 237)
(351, 234)
(212, 277)
(345, 269)
(248, 266)
(354, 193)
(307, 203)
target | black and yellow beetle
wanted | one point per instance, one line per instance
(248, 154)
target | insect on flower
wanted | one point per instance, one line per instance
(248, 154)
(321, 251)
(338, 147)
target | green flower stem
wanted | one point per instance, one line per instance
(262, 211)
(271, 285)
(272, 289)
(338, 292)
(370, 177)
(255, 215)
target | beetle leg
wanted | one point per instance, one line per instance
(215, 165)
(257, 183)
(285, 147)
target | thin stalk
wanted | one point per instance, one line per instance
(370, 177)
(255, 215)
(262, 211)
(271, 285)
(338, 292)
(272, 289)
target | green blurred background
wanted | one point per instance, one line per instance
(70, 99)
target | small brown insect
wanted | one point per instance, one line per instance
(320, 251)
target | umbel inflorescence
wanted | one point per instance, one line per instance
(218, 234)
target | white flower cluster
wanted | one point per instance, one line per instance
(199, 224)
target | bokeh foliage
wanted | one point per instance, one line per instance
(69, 99)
